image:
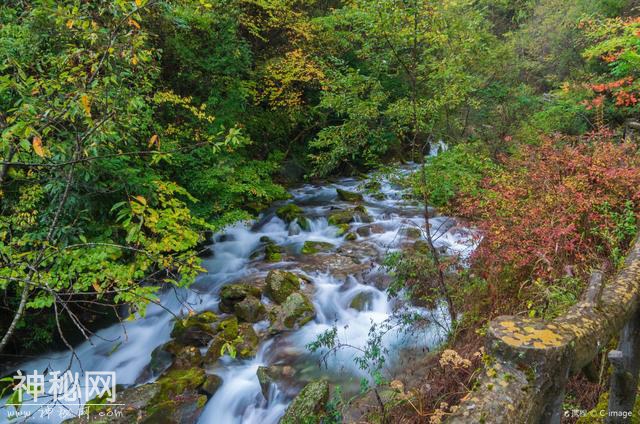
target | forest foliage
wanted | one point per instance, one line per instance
(131, 129)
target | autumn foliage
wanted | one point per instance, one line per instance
(556, 208)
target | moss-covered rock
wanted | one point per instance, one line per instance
(349, 196)
(411, 232)
(272, 253)
(309, 405)
(280, 284)
(232, 294)
(362, 301)
(289, 213)
(303, 223)
(357, 214)
(196, 330)
(247, 347)
(211, 385)
(311, 247)
(351, 236)
(296, 311)
(250, 309)
(342, 229)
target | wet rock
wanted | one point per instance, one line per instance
(266, 239)
(272, 253)
(295, 312)
(351, 237)
(357, 214)
(289, 212)
(161, 360)
(248, 346)
(265, 378)
(364, 231)
(303, 223)
(410, 232)
(362, 301)
(308, 406)
(311, 247)
(175, 398)
(342, 229)
(337, 264)
(187, 357)
(211, 385)
(236, 339)
(372, 186)
(250, 309)
(349, 196)
(196, 330)
(232, 294)
(280, 284)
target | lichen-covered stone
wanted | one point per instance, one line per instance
(232, 294)
(349, 196)
(280, 284)
(196, 330)
(311, 247)
(308, 406)
(250, 309)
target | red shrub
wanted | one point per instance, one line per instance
(550, 206)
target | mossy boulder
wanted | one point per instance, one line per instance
(289, 213)
(273, 374)
(372, 186)
(196, 330)
(303, 223)
(351, 236)
(250, 309)
(357, 214)
(297, 310)
(185, 357)
(232, 294)
(309, 405)
(241, 338)
(342, 229)
(411, 232)
(349, 196)
(311, 247)
(272, 253)
(362, 301)
(211, 385)
(280, 284)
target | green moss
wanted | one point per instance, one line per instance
(280, 284)
(311, 247)
(349, 196)
(342, 229)
(308, 406)
(288, 213)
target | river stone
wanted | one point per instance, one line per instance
(357, 214)
(272, 253)
(303, 223)
(364, 231)
(250, 309)
(351, 237)
(373, 185)
(228, 331)
(280, 284)
(172, 399)
(342, 229)
(289, 213)
(248, 347)
(297, 310)
(411, 232)
(196, 330)
(232, 294)
(211, 385)
(311, 247)
(362, 301)
(308, 406)
(161, 360)
(187, 357)
(349, 196)
(265, 378)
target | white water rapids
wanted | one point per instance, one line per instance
(126, 348)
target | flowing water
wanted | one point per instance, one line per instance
(126, 348)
